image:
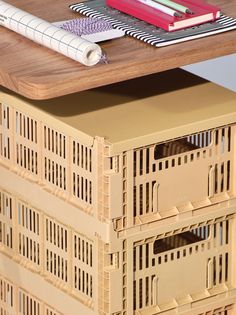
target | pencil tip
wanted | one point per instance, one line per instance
(176, 14)
(189, 11)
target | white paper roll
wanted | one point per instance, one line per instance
(49, 35)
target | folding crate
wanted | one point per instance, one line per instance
(109, 194)
(124, 155)
(185, 268)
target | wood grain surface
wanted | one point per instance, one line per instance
(39, 73)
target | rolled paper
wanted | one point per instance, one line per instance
(49, 35)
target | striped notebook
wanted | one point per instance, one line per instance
(148, 33)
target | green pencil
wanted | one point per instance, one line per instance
(175, 6)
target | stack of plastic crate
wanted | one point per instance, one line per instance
(119, 200)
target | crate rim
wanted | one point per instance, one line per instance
(194, 123)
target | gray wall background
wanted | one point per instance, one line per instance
(220, 70)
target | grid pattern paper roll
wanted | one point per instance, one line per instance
(46, 34)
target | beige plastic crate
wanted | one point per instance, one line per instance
(127, 156)
(184, 268)
(15, 301)
(93, 185)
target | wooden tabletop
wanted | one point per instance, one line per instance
(39, 73)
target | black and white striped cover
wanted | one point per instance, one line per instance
(149, 33)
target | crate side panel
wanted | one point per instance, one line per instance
(17, 300)
(182, 266)
(178, 176)
(59, 254)
(55, 207)
(52, 154)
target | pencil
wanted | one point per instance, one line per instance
(175, 6)
(160, 7)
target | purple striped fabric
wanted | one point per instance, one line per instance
(86, 26)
